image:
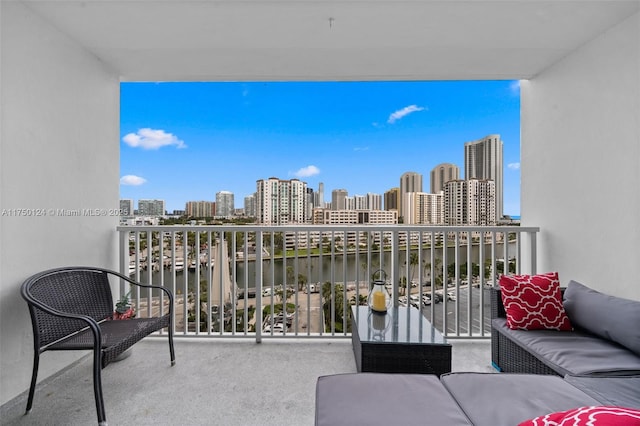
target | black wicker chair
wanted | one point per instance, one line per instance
(72, 309)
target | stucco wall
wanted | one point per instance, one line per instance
(580, 162)
(59, 150)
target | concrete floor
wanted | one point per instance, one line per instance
(214, 382)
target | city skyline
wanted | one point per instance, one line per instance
(184, 142)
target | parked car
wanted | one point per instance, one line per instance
(414, 301)
(451, 295)
(277, 328)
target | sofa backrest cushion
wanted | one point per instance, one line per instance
(534, 302)
(609, 317)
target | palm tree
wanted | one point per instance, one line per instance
(413, 262)
(403, 285)
(362, 300)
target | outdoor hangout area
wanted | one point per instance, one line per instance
(562, 354)
(569, 346)
(577, 68)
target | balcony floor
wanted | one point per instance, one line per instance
(214, 382)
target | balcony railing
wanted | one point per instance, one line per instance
(298, 281)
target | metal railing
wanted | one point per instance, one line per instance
(299, 281)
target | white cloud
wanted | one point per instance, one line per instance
(152, 139)
(361, 148)
(514, 166)
(397, 115)
(307, 172)
(132, 180)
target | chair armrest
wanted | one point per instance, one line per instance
(166, 291)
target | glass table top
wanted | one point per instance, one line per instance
(399, 325)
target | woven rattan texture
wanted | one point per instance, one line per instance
(505, 353)
(75, 292)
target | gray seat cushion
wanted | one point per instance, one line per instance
(574, 352)
(617, 391)
(385, 399)
(491, 399)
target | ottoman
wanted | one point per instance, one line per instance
(385, 399)
(490, 399)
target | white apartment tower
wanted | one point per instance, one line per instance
(483, 160)
(374, 201)
(469, 202)
(360, 202)
(441, 174)
(422, 208)
(280, 202)
(151, 208)
(409, 182)
(225, 206)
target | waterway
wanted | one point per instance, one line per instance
(338, 267)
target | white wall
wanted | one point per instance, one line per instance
(580, 162)
(59, 150)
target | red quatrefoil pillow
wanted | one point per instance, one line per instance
(534, 302)
(588, 416)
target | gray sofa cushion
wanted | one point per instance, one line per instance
(616, 391)
(385, 399)
(607, 316)
(574, 352)
(490, 399)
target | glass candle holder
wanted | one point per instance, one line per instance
(379, 299)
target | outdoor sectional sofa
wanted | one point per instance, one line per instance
(592, 365)
(604, 341)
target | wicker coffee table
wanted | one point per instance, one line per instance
(400, 341)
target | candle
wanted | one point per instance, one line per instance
(379, 303)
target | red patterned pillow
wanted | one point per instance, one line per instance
(534, 302)
(592, 416)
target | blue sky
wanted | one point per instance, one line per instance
(187, 141)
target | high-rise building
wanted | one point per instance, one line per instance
(338, 199)
(482, 209)
(421, 208)
(225, 206)
(470, 202)
(151, 208)
(200, 209)
(360, 202)
(392, 199)
(280, 202)
(374, 201)
(309, 203)
(409, 182)
(441, 174)
(483, 160)
(318, 197)
(455, 205)
(126, 208)
(250, 205)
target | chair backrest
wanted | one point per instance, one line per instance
(83, 291)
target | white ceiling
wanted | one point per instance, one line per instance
(238, 40)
